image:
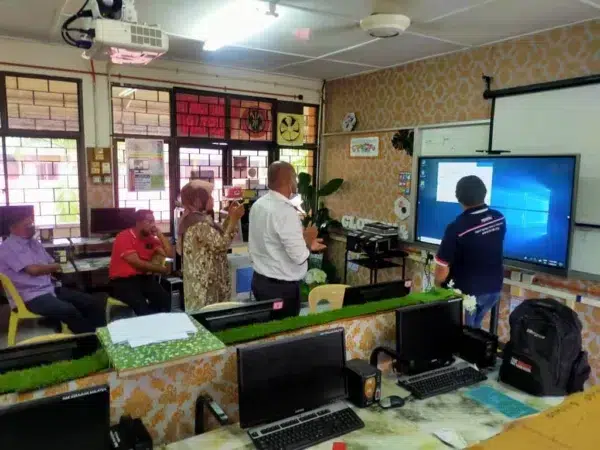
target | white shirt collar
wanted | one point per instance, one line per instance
(280, 197)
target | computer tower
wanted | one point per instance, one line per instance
(174, 286)
(479, 347)
(364, 383)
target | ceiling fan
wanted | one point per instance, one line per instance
(387, 19)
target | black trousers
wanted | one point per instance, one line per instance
(143, 293)
(81, 312)
(265, 288)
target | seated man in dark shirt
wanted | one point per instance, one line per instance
(471, 251)
(138, 254)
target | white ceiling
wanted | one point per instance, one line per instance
(337, 47)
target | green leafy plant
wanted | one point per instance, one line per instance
(310, 199)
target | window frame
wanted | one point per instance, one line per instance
(78, 136)
(169, 140)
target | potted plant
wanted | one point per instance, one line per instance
(310, 199)
(318, 217)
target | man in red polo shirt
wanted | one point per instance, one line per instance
(132, 269)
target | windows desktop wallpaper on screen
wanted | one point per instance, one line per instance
(535, 194)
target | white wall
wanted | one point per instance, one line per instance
(96, 99)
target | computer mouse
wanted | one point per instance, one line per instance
(393, 401)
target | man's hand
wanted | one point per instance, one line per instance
(310, 235)
(317, 246)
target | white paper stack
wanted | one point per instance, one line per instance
(151, 329)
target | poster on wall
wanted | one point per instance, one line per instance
(145, 165)
(364, 147)
(290, 129)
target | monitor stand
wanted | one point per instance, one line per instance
(416, 367)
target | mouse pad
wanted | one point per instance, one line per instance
(500, 402)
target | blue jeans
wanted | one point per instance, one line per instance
(485, 303)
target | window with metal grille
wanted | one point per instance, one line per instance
(42, 104)
(43, 172)
(202, 163)
(157, 201)
(302, 159)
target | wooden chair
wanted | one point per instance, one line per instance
(332, 293)
(217, 306)
(20, 313)
(45, 338)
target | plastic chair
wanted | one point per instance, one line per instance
(45, 338)
(222, 305)
(21, 312)
(110, 302)
(332, 293)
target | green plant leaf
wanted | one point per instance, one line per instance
(304, 180)
(330, 187)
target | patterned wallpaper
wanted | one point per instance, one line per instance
(444, 89)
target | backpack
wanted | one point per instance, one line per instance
(544, 356)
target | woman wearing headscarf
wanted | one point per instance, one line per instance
(204, 246)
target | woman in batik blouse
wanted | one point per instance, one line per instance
(204, 245)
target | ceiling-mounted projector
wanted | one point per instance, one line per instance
(385, 25)
(110, 32)
(126, 43)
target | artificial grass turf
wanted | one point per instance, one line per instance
(58, 372)
(260, 330)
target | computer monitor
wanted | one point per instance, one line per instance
(358, 295)
(6, 212)
(239, 316)
(536, 194)
(283, 378)
(20, 357)
(111, 220)
(428, 335)
(72, 421)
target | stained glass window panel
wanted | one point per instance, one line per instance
(251, 120)
(200, 115)
(310, 124)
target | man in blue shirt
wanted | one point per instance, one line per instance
(24, 260)
(471, 251)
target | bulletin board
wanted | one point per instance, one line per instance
(100, 165)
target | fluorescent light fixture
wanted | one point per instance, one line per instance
(235, 22)
(127, 92)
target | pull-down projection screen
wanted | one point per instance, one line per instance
(562, 121)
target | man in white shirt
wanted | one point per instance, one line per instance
(279, 247)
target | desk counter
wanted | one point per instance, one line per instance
(409, 427)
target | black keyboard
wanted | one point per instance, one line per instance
(308, 430)
(441, 381)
